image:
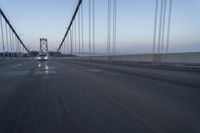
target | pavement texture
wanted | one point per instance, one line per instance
(72, 96)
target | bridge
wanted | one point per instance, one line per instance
(79, 90)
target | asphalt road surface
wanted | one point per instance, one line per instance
(62, 96)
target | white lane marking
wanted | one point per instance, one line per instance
(16, 65)
(94, 70)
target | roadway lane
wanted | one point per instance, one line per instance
(71, 96)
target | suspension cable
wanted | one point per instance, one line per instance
(2, 35)
(114, 26)
(82, 29)
(108, 27)
(75, 43)
(10, 42)
(71, 41)
(79, 34)
(68, 43)
(65, 47)
(13, 30)
(163, 26)
(89, 26)
(160, 26)
(7, 43)
(23, 51)
(14, 39)
(155, 27)
(169, 25)
(19, 47)
(71, 22)
(13, 43)
(93, 13)
(16, 45)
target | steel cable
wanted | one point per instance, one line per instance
(169, 25)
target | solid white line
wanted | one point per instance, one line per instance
(17, 65)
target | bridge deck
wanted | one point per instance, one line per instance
(89, 97)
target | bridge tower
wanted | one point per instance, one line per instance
(43, 46)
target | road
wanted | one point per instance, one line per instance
(73, 96)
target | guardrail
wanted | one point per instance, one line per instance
(192, 57)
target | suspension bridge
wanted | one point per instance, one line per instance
(79, 91)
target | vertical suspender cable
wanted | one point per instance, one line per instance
(72, 35)
(23, 51)
(82, 28)
(10, 42)
(108, 27)
(68, 45)
(21, 48)
(71, 42)
(13, 44)
(93, 12)
(2, 35)
(155, 27)
(169, 26)
(7, 43)
(89, 27)
(79, 34)
(65, 47)
(63, 50)
(14, 48)
(114, 26)
(163, 26)
(113, 37)
(17, 46)
(160, 26)
(75, 44)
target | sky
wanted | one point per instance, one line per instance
(34, 19)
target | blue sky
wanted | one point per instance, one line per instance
(135, 19)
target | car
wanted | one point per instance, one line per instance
(43, 58)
